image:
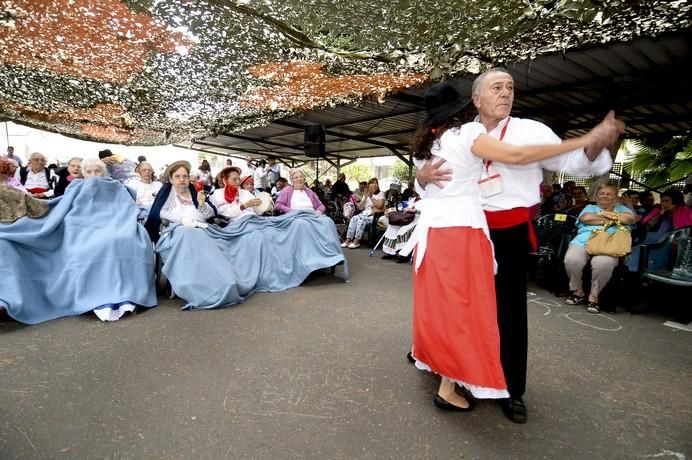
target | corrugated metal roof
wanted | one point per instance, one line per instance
(645, 81)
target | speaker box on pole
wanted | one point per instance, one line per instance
(314, 141)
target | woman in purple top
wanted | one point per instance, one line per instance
(298, 196)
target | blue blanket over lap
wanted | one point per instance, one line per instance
(215, 267)
(88, 251)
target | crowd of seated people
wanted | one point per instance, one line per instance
(567, 199)
(357, 208)
(371, 203)
(64, 261)
(647, 221)
(183, 212)
(653, 225)
(173, 204)
(279, 251)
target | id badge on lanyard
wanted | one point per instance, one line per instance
(491, 181)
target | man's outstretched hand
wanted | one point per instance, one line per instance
(604, 135)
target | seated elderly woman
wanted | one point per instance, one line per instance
(87, 253)
(231, 202)
(670, 215)
(93, 167)
(68, 174)
(372, 202)
(7, 171)
(144, 186)
(298, 196)
(396, 236)
(216, 267)
(591, 218)
(178, 202)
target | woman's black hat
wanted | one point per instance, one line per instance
(442, 100)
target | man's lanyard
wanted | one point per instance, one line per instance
(487, 163)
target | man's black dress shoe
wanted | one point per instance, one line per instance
(514, 409)
(440, 402)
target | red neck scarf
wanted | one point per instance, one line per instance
(230, 192)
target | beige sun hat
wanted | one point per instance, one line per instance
(174, 166)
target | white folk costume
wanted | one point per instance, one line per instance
(454, 316)
(231, 205)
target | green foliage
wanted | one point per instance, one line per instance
(400, 171)
(357, 171)
(662, 160)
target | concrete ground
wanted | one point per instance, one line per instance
(319, 372)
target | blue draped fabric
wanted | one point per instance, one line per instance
(87, 252)
(216, 267)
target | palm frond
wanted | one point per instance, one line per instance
(660, 160)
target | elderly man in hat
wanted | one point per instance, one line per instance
(508, 191)
(36, 177)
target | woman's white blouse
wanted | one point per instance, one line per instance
(177, 207)
(146, 193)
(367, 210)
(300, 200)
(231, 210)
(458, 203)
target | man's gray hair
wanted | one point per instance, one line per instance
(478, 82)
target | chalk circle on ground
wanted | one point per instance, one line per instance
(594, 320)
(545, 303)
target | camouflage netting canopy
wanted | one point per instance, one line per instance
(152, 72)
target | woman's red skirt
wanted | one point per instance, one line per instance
(455, 332)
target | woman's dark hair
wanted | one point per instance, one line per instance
(644, 194)
(424, 138)
(205, 166)
(675, 196)
(375, 181)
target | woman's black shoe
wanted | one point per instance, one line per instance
(440, 402)
(402, 259)
(410, 358)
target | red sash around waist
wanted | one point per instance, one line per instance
(510, 218)
(37, 190)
